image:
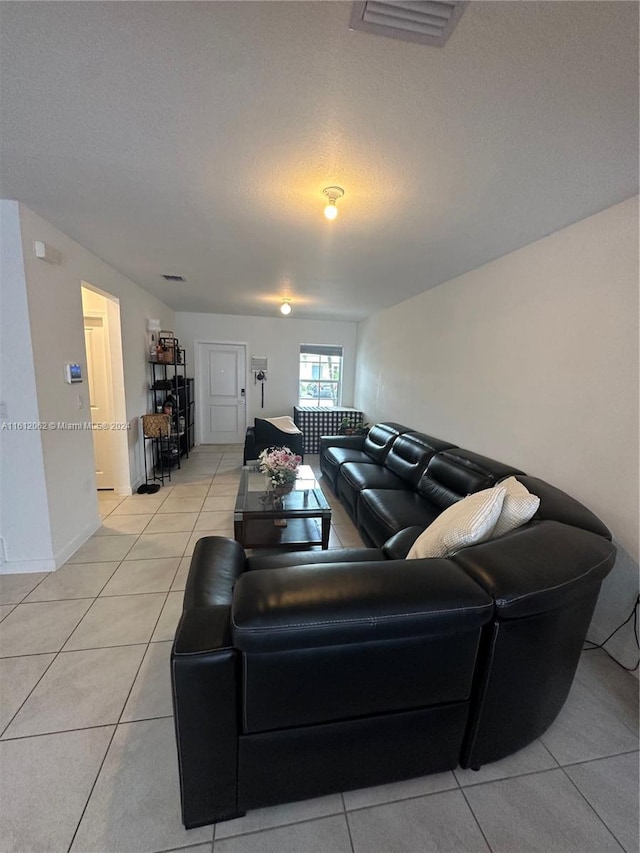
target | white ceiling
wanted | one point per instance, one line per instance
(196, 138)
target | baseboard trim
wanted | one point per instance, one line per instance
(14, 567)
(71, 547)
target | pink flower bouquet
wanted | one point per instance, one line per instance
(280, 465)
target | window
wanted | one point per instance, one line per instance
(320, 375)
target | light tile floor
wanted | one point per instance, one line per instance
(87, 752)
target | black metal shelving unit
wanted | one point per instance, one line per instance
(170, 379)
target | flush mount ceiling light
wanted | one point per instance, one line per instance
(285, 308)
(333, 194)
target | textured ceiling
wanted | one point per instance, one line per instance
(196, 138)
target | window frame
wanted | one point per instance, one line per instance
(325, 379)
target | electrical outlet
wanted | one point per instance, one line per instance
(80, 402)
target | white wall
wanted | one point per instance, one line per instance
(532, 360)
(278, 338)
(24, 511)
(56, 327)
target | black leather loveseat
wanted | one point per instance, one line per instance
(296, 675)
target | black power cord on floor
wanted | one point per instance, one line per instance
(633, 615)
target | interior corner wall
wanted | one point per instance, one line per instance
(531, 359)
(24, 512)
(279, 339)
(54, 299)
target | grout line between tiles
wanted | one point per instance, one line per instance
(47, 668)
(115, 729)
(597, 758)
(402, 799)
(61, 732)
(280, 826)
(346, 817)
(475, 817)
(592, 808)
(187, 846)
(12, 606)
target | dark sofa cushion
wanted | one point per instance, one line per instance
(559, 506)
(410, 454)
(382, 512)
(353, 477)
(374, 449)
(456, 473)
(405, 462)
(380, 438)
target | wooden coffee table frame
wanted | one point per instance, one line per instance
(256, 511)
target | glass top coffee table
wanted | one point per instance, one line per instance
(262, 520)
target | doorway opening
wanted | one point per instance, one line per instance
(105, 379)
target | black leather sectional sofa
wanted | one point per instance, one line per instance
(296, 675)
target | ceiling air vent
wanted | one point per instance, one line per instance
(173, 277)
(425, 21)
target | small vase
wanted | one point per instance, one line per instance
(279, 490)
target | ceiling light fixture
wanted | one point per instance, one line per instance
(333, 194)
(285, 308)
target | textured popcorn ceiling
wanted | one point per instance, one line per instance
(196, 138)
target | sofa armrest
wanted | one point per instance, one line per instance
(539, 567)
(205, 679)
(398, 546)
(350, 442)
(216, 564)
(250, 451)
(331, 604)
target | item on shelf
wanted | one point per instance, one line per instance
(166, 356)
(168, 350)
(170, 454)
(155, 432)
(155, 426)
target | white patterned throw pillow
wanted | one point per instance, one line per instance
(467, 522)
(518, 507)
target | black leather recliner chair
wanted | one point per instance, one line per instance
(264, 435)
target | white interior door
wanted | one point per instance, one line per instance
(222, 398)
(98, 376)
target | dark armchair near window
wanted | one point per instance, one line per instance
(264, 434)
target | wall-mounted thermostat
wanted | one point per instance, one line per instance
(258, 363)
(72, 373)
